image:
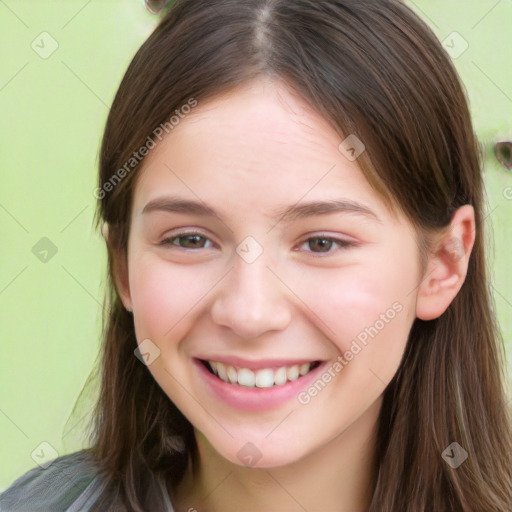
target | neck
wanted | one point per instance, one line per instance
(339, 475)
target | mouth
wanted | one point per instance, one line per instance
(271, 377)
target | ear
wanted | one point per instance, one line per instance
(447, 265)
(119, 269)
(122, 282)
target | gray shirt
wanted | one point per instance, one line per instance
(69, 484)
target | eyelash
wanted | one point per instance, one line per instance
(343, 244)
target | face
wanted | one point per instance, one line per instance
(259, 255)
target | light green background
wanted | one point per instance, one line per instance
(53, 112)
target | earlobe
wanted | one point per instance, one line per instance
(104, 231)
(123, 287)
(119, 269)
(447, 265)
(122, 283)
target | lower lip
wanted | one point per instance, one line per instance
(256, 399)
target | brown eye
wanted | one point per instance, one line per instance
(503, 152)
(186, 241)
(325, 245)
(192, 241)
(320, 244)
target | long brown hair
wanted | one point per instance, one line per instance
(371, 68)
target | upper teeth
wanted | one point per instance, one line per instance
(263, 378)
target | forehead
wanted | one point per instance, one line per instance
(260, 145)
(268, 104)
(262, 113)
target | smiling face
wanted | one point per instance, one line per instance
(255, 243)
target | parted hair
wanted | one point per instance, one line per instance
(371, 68)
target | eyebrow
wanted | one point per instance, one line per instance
(282, 214)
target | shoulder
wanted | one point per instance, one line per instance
(69, 483)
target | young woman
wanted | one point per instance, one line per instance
(299, 315)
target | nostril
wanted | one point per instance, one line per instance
(503, 152)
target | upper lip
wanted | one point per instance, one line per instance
(260, 363)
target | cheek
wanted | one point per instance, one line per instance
(366, 309)
(163, 295)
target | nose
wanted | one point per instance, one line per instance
(252, 300)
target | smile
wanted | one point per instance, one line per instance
(261, 378)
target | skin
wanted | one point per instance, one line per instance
(247, 153)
